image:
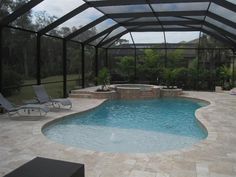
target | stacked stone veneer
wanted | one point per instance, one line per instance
(171, 92)
(129, 93)
(105, 95)
(137, 93)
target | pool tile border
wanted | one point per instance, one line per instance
(22, 140)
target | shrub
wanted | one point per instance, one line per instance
(169, 76)
(181, 77)
(225, 74)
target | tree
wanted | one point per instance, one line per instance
(121, 41)
(175, 58)
(149, 67)
(182, 77)
(42, 19)
(125, 67)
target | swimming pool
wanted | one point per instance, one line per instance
(134, 126)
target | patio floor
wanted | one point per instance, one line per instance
(21, 140)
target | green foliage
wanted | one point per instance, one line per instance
(13, 79)
(125, 67)
(152, 58)
(225, 74)
(181, 77)
(150, 66)
(169, 76)
(103, 78)
(175, 58)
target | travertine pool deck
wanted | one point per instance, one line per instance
(21, 140)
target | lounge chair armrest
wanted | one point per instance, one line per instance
(32, 101)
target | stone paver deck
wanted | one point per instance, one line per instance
(21, 140)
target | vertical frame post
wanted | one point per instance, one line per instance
(198, 64)
(1, 60)
(96, 63)
(196, 86)
(106, 62)
(165, 64)
(38, 53)
(64, 58)
(233, 72)
(83, 65)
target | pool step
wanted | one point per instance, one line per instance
(81, 95)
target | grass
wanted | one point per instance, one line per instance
(55, 90)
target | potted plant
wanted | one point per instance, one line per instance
(103, 79)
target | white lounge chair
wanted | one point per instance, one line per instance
(43, 98)
(27, 109)
(232, 91)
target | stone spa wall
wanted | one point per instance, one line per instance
(136, 92)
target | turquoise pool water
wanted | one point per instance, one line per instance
(139, 126)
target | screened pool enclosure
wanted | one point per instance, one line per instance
(63, 44)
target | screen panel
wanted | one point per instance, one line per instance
(89, 66)
(232, 1)
(95, 30)
(78, 21)
(125, 9)
(115, 32)
(221, 11)
(148, 37)
(221, 25)
(45, 13)
(18, 64)
(51, 63)
(182, 37)
(194, 6)
(8, 7)
(74, 66)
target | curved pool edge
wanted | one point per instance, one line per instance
(198, 114)
(48, 123)
(21, 141)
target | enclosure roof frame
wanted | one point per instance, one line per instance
(218, 31)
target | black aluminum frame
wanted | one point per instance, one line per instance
(224, 36)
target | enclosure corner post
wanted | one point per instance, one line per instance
(96, 63)
(83, 65)
(64, 58)
(196, 82)
(38, 58)
(233, 72)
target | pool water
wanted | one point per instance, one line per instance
(136, 126)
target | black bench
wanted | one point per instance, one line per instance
(43, 167)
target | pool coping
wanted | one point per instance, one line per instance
(22, 140)
(202, 122)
